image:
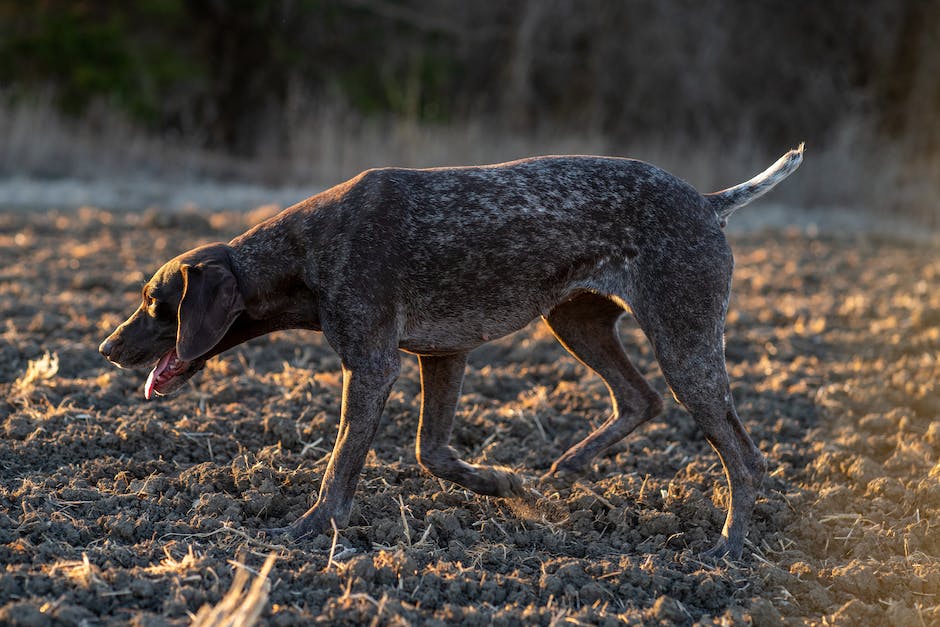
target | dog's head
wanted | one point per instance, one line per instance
(186, 309)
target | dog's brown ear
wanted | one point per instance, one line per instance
(211, 301)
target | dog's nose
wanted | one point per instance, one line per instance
(106, 347)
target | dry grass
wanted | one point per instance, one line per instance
(243, 603)
(40, 141)
(44, 368)
(80, 572)
(328, 143)
(171, 565)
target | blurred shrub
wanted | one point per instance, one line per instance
(92, 50)
(222, 69)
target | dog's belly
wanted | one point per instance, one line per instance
(445, 325)
(463, 332)
(454, 323)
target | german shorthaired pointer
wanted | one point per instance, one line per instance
(437, 262)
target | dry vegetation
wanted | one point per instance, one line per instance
(853, 170)
(113, 509)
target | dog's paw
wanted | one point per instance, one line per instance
(316, 522)
(724, 550)
(504, 482)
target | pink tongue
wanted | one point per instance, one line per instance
(155, 374)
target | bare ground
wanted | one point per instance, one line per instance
(113, 509)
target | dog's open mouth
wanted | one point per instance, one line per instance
(164, 374)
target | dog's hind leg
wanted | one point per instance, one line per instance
(684, 321)
(587, 327)
(696, 373)
(441, 381)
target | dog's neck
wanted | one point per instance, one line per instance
(273, 276)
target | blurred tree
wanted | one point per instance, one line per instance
(223, 70)
(97, 49)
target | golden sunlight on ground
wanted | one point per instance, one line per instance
(137, 511)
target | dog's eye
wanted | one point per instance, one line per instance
(158, 309)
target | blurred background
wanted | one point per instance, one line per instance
(131, 104)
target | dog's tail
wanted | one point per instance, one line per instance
(727, 201)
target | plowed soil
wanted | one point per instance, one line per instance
(117, 510)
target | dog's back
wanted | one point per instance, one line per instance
(490, 248)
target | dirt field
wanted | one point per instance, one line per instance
(113, 509)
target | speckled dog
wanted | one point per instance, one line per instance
(436, 262)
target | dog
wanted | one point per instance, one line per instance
(436, 262)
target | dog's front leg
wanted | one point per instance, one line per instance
(366, 385)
